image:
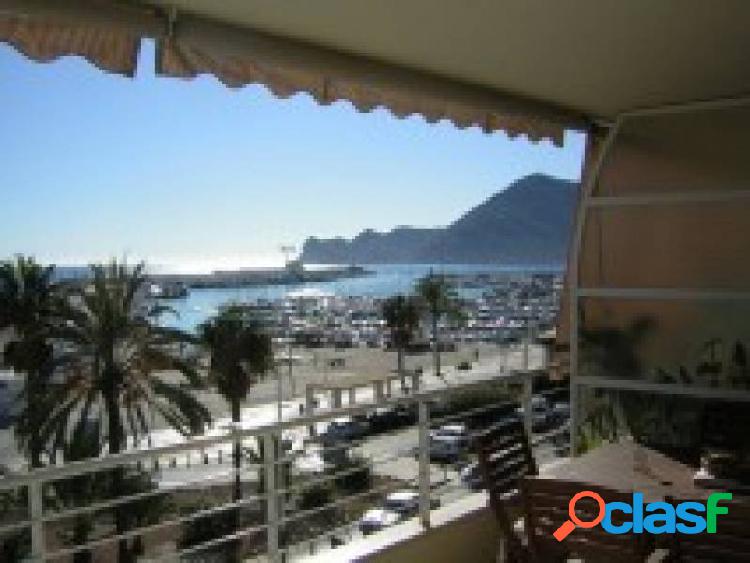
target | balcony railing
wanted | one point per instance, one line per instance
(358, 467)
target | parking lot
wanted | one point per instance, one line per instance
(394, 455)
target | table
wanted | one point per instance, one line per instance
(626, 466)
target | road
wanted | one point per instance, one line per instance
(445, 480)
(191, 467)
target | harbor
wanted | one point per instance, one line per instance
(294, 272)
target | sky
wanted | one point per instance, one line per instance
(193, 174)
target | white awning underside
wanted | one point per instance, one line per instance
(528, 67)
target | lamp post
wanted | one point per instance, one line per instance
(288, 250)
(528, 380)
(292, 386)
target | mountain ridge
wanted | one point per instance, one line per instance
(529, 222)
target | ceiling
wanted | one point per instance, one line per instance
(595, 57)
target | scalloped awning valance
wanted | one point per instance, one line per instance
(108, 34)
(105, 33)
(238, 57)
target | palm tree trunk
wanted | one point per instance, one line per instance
(37, 419)
(237, 492)
(114, 430)
(401, 372)
(436, 345)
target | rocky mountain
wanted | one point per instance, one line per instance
(529, 222)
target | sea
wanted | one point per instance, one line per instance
(201, 304)
(385, 280)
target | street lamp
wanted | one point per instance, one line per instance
(288, 250)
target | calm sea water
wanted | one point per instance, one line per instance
(387, 280)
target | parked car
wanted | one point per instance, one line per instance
(489, 416)
(541, 414)
(561, 441)
(406, 414)
(343, 430)
(404, 502)
(471, 476)
(560, 412)
(448, 443)
(447, 449)
(458, 430)
(382, 419)
(376, 519)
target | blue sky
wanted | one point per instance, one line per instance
(96, 165)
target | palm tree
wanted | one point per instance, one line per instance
(28, 306)
(402, 317)
(83, 489)
(115, 352)
(434, 290)
(613, 351)
(241, 355)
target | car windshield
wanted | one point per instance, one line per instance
(451, 431)
(375, 515)
(395, 504)
(400, 499)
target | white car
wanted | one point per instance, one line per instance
(448, 442)
(540, 413)
(376, 519)
(561, 411)
(452, 430)
(471, 476)
(404, 502)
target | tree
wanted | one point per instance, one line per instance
(81, 489)
(29, 305)
(15, 546)
(614, 351)
(241, 355)
(115, 351)
(88, 488)
(402, 318)
(435, 292)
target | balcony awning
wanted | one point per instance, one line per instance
(533, 68)
(108, 34)
(238, 57)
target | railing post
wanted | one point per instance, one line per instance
(424, 462)
(36, 512)
(310, 406)
(528, 382)
(337, 398)
(378, 391)
(272, 506)
(528, 413)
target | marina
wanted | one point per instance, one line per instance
(497, 295)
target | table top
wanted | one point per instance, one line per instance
(626, 466)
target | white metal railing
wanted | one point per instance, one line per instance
(39, 519)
